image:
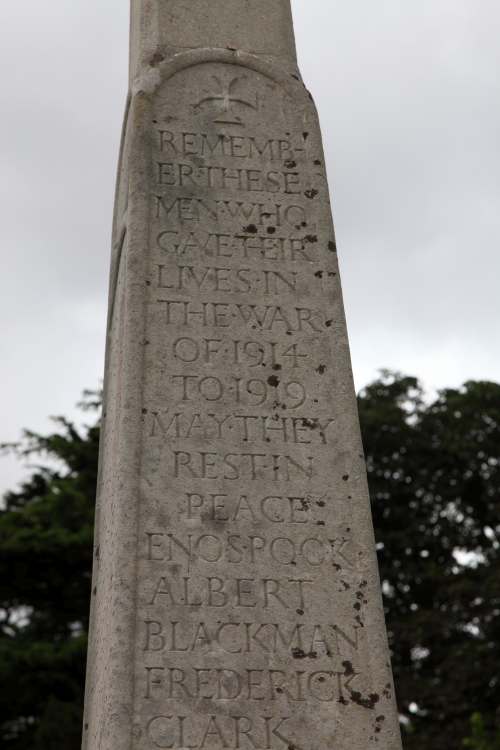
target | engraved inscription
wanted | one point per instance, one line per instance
(260, 733)
(251, 593)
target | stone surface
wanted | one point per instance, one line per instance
(261, 27)
(236, 599)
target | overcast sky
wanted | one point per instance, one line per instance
(408, 94)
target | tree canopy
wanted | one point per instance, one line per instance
(434, 475)
(46, 530)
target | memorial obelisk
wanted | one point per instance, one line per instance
(236, 600)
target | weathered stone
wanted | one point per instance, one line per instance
(236, 599)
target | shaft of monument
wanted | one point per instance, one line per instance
(160, 28)
(236, 601)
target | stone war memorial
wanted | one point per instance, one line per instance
(236, 599)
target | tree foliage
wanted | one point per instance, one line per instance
(480, 738)
(46, 533)
(434, 474)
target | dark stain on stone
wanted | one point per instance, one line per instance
(290, 164)
(332, 246)
(320, 523)
(312, 193)
(305, 136)
(298, 653)
(312, 238)
(97, 552)
(345, 477)
(146, 342)
(311, 423)
(321, 369)
(144, 411)
(148, 283)
(273, 381)
(345, 585)
(271, 230)
(349, 669)
(317, 162)
(319, 274)
(369, 702)
(337, 567)
(295, 76)
(250, 229)
(357, 606)
(94, 590)
(156, 59)
(329, 323)
(331, 274)
(300, 612)
(277, 367)
(321, 503)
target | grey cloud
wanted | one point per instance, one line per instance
(408, 98)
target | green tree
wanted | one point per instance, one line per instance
(46, 533)
(434, 474)
(480, 738)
